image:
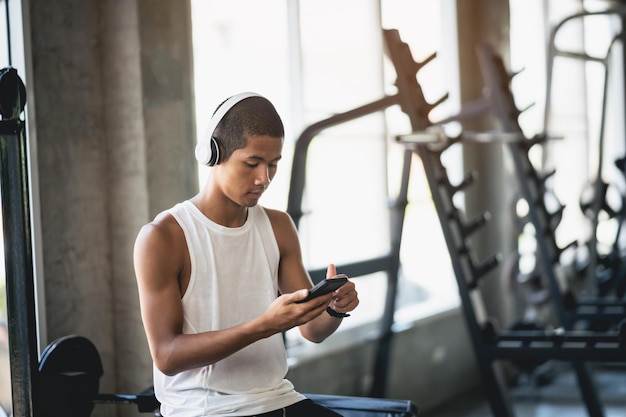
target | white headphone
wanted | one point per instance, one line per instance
(207, 149)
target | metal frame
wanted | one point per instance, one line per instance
(569, 311)
(413, 103)
(490, 344)
(18, 246)
(554, 52)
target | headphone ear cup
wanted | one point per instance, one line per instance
(215, 153)
(208, 153)
(203, 153)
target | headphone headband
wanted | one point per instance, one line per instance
(204, 152)
(223, 109)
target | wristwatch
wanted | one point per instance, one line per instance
(337, 314)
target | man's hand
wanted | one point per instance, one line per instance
(345, 299)
(315, 325)
(285, 313)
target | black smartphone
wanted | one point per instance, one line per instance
(324, 287)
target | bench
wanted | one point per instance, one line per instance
(68, 385)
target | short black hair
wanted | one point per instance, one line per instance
(251, 116)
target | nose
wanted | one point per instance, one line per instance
(263, 177)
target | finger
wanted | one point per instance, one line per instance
(345, 289)
(343, 306)
(346, 300)
(331, 271)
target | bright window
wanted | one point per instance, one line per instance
(302, 57)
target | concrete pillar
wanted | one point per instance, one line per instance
(484, 21)
(115, 131)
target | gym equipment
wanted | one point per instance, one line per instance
(499, 100)
(491, 344)
(68, 381)
(70, 370)
(17, 241)
(605, 270)
(412, 102)
(532, 187)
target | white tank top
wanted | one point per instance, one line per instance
(234, 278)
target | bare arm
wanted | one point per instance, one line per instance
(293, 276)
(162, 268)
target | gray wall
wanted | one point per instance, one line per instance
(112, 109)
(430, 364)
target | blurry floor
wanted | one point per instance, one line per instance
(560, 397)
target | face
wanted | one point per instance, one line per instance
(249, 171)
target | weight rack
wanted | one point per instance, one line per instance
(492, 345)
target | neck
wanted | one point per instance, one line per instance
(225, 213)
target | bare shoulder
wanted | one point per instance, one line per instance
(284, 230)
(279, 218)
(160, 249)
(163, 230)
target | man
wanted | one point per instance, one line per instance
(210, 271)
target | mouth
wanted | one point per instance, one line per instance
(256, 193)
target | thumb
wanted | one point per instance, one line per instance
(301, 294)
(331, 271)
